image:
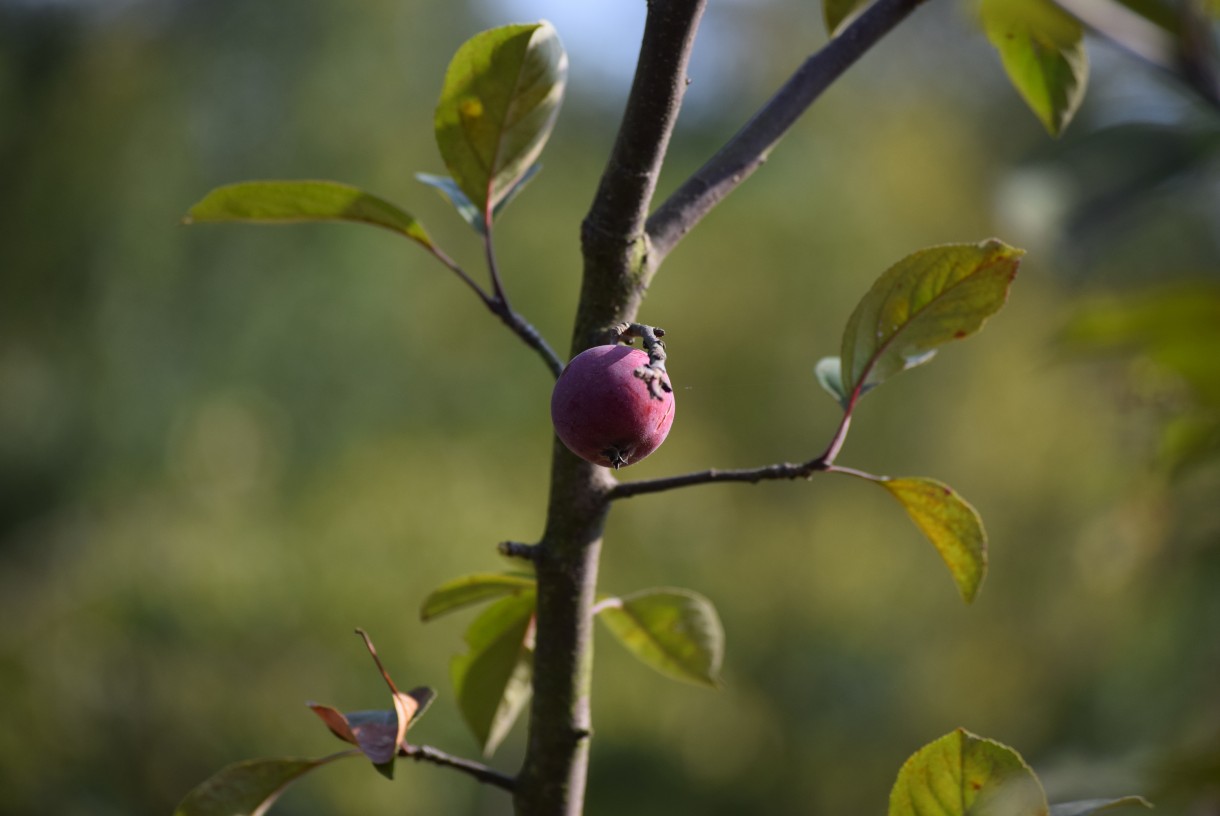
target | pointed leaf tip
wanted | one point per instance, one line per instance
(282, 202)
(1042, 49)
(927, 299)
(951, 524)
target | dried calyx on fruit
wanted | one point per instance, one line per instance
(613, 405)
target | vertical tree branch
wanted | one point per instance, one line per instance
(612, 235)
(746, 151)
(552, 779)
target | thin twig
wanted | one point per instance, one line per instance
(748, 149)
(497, 303)
(769, 473)
(482, 773)
(453, 266)
(783, 470)
(516, 549)
(528, 334)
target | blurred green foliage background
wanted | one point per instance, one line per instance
(221, 449)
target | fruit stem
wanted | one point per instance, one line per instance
(654, 374)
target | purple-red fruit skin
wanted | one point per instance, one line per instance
(604, 413)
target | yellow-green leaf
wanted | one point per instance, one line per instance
(473, 589)
(927, 299)
(950, 523)
(674, 631)
(1042, 49)
(499, 102)
(961, 774)
(281, 202)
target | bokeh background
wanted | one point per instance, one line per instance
(223, 448)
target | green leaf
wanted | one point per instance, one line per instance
(1097, 806)
(1042, 49)
(837, 13)
(280, 202)
(829, 374)
(450, 191)
(473, 589)
(961, 774)
(675, 631)
(950, 523)
(925, 300)
(248, 788)
(492, 680)
(498, 105)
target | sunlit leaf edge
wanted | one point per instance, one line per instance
(1004, 264)
(615, 614)
(506, 624)
(913, 776)
(296, 201)
(468, 590)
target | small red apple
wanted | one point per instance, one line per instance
(604, 413)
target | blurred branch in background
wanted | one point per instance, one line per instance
(1176, 37)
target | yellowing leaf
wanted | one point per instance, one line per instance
(927, 299)
(378, 734)
(950, 523)
(961, 774)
